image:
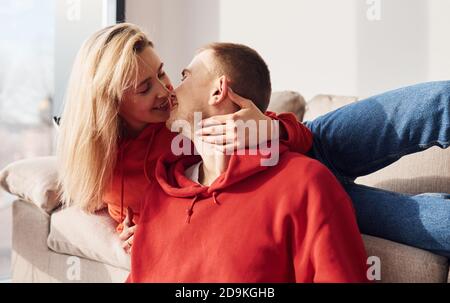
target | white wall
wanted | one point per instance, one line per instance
(176, 27)
(393, 51)
(439, 39)
(309, 45)
(312, 46)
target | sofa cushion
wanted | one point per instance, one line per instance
(91, 236)
(34, 262)
(322, 104)
(406, 264)
(424, 172)
(33, 180)
(288, 101)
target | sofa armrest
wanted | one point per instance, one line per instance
(405, 264)
(33, 261)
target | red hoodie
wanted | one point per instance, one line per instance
(131, 175)
(291, 222)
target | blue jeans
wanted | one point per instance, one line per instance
(363, 137)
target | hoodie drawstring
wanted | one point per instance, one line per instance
(215, 199)
(122, 169)
(122, 181)
(147, 153)
(190, 209)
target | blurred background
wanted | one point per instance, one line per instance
(345, 47)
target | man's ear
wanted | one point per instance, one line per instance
(220, 92)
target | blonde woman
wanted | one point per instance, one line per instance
(113, 125)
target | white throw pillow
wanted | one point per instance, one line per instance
(34, 180)
(92, 236)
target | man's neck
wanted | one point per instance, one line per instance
(213, 165)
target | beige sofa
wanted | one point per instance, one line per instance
(54, 245)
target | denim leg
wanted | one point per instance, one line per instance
(363, 137)
(421, 221)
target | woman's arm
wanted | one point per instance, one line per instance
(222, 130)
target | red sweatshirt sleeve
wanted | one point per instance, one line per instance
(329, 248)
(298, 136)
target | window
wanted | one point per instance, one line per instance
(39, 41)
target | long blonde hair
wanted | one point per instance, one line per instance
(105, 66)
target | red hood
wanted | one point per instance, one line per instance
(170, 173)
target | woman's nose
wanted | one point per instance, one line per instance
(165, 89)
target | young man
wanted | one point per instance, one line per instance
(229, 218)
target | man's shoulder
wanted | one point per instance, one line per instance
(295, 163)
(310, 182)
(305, 173)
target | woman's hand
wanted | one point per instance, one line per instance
(222, 131)
(127, 234)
